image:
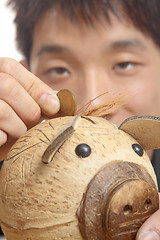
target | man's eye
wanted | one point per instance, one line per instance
(124, 66)
(59, 71)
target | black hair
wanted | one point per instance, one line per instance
(144, 15)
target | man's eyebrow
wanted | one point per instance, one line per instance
(124, 44)
(52, 49)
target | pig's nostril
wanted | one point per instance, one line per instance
(127, 209)
(148, 203)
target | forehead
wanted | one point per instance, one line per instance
(54, 28)
(56, 19)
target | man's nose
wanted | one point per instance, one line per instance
(96, 87)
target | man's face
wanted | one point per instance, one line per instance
(113, 58)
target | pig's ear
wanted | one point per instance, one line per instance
(144, 129)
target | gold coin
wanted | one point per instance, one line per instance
(68, 105)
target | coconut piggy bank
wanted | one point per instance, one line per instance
(80, 178)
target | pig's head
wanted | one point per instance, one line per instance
(80, 178)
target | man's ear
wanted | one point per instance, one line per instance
(25, 63)
(144, 129)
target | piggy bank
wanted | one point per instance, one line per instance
(80, 178)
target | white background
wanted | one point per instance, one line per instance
(7, 33)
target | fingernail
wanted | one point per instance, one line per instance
(49, 103)
(151, 235)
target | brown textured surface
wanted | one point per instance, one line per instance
(131, 204)
(117, 201)
(145, 129)
(39, 201)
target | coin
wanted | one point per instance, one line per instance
(68, 104)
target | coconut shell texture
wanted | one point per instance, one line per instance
(41, 201)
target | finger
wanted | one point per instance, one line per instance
(18, 99)
(10, 123)
(150, 230)
(39, 91)
(3, 138)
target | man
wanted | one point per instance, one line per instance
(89, 47)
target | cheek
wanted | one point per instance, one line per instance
(146, 101)
(146, 93)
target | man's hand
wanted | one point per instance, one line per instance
(150, 230)
(22, 98)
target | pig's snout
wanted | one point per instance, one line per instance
(118, 199)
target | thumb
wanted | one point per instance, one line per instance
(150, 230)
(38, 90)
(49, 103)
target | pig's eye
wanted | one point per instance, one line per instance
(83, 150)
(138, 149)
